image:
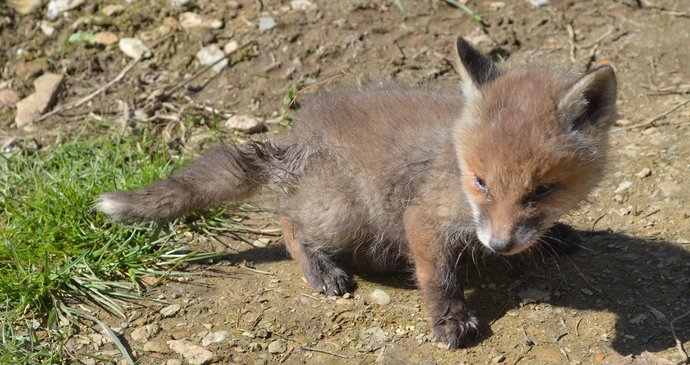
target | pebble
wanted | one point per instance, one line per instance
(31, 68)
(657, 313)
(105, 38)
(25, 7)
(31, 107)
(113, 9)
(262, 242)
(8, 98)
(179, 3)
(134, 48)
(214, 337)
(231, 47)
(644, 173)
(587, 291)
(47, 28)
(499, 359)
(155, 346)
(170, 310)
(189, 20)
(57, 7)
(144, 333)
(277, 347)
(303, 5)
(379, 297)
(266, 23)
(539, 3)
(194, 354)
(210, 54)
(623, 186)
(638, 319)
(245, 123)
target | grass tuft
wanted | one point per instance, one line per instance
(55, 250)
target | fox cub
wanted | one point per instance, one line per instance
(398, 175)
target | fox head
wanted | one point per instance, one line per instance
(531, 145)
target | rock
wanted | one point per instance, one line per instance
(533, 295)
(134, 48)
(587, 291)
(214, 337)
(377, 338)
(623, 186)
(47, 28)
(644, 173)
(266, 23)
(277, 347)
(262, 242)
(189, 20)
(31, 107)
(170, 310)
(539, 3)
(245, 123)
(180, 3)
(499, 359)
(211, 54)
(194, 354)
(144, 333)
(303, 5)
(638, 318)
(113, 9)
(31, 68)
(105, 38)
(379, 297)
(155, 346)
(230, 47)
(57, 7)
(8, 98)
(25, 7)
(657, 313)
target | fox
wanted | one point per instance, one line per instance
(416, 176)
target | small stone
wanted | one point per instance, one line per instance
(144, 333)
(262, 242)
(644, 173)
(134, 48)
(214, 337)
(210, 55)
(657, 313)
(31, 68)
(113, 9)
(638, 318)
(194, 354)
(31, 107)
(623, 122)
(25, 7)
(245, 123)
(189, 20)
(155, 346)
(587, 291)
(497, 5)
(539, 3)
(179, 3)
(231, 47)
(623, 186)
(266, 23)
(379, 297)
(303, 5)
(105, 38)
(170, 310)
(499, 359)
(47, 28)
(8, 98)
(57, 7)
(277, 347)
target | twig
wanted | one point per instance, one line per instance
(313, 349)
(99, 91)
(255, 270)
(653, 120)
(340, 74)
(577, 326)
(679, 343)
(287, 354)
(572, 40)
(598, 40)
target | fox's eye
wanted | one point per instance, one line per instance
(541, 192)
(480, 184)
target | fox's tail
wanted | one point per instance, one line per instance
(227, 173)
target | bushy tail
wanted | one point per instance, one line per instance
(227, 173)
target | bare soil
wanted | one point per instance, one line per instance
(614, 298)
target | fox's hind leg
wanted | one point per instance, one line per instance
(318, 268)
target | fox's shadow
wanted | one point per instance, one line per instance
(644, 282)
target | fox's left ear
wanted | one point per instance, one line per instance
(591, 101)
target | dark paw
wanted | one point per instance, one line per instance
(456, 328)
(328, 279)
(562, 239)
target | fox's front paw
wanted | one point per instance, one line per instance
(457, 327)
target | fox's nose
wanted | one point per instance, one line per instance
(500, 245)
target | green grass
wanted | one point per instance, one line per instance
(55, 251)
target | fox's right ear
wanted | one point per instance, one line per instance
(474, 68)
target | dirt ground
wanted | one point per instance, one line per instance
(615, 298)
